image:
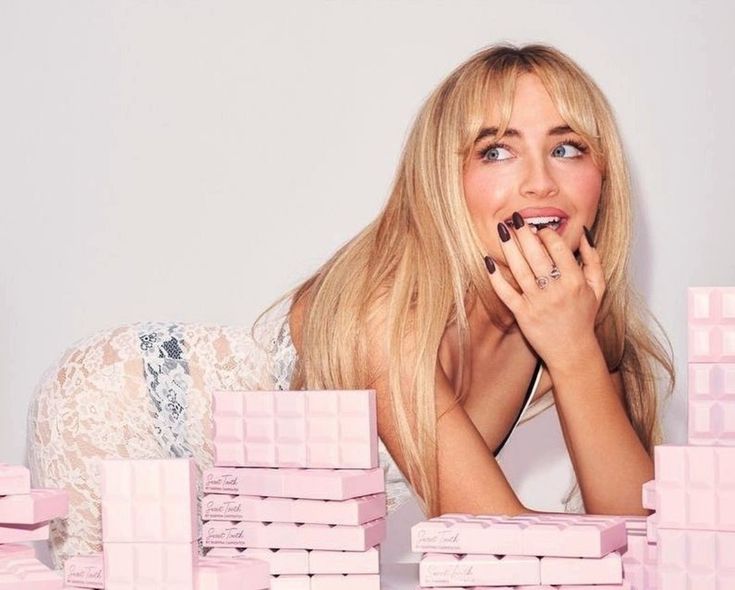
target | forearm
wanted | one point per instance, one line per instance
(609, 460)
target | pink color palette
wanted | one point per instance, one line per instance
(16, 550)
(649, 495)
(85, 571)
(711, 305)
(303, 561)
(555, 535)
(14, 479)
(443, 569)
(316, 484)
(691, 559)
(279, 535)
(639, 561)
(316, 429)
(149, 501)
(231, 574)
(695, 487)
(143, 566)
(38, 506)
(27, 573)
(712, 404)
(256, 508)
(23, 533)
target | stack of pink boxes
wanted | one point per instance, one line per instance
(297, 483)
(567, 551)
(24, 517)
(149, 534)
(694, 490)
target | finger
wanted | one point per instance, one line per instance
(515, 259)
(560, 253)
(592, 267)
(503, 288)
(532, 247)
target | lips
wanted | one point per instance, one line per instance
(540, 212)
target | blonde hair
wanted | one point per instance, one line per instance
(423, 258)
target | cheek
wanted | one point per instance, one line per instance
(587, 187)
(485, 196)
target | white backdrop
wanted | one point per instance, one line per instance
(179, 160)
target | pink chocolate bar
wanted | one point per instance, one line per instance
(316, 484)
(290, 582)
(281, 561)
(639, 561)
(143, 566)
(711, 305)
(27, 573)
(14, 479)
(316, 429)
(16, 550)
(582, 570)
(689, 559)
(23, 533)
(259, 509)
(85, 571)
(712, 404)
(38, 506)
(231, 574)
(649, 495)
(303, 561)
(280, 535)
(652, 528)
(351, 581)
(695, 487)
(712, 344)
(149, 501)
(554, 535)
(443, 569)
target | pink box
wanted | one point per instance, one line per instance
(711, 305)
(280, 535)
(14, 479)
(85, 571)
(150, 566)
(317, 429)
(555, 535)
(27, 573)
(149, 501)
(689, 559)
(695, 487)
(290, 582)
(316, 484)
(582, 570)
(259, 509)
(712, 344)
(639, 561)
(281, 561)
(231, 574)
(712, 404)
(38, 506)
(652, 528)
(16, 551)
(443, 569)
(351, 581)
(649, 495)
(23, 533)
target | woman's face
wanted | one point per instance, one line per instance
(534, 170)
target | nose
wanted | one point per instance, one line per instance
(537, 181)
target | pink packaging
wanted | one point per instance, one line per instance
(711, 305)
(711, 404)
(695, 487)
(27, 573)
(351, 581)
(23, 533)
(639, 561)
(149, 501)
(138, 566)
(689, 559)
(315, 429)
(16, 551)
(259, 509)
(649, 495)
(14, 479)
(85, 571)
(38, 506)
(316, 484)
(279, 535)
(231, 574)
(281, 561)
(577, 570)
(554, 535)
(290, 582)
(442, 569)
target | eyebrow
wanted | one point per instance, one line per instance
(511, 132)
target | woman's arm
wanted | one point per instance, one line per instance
(609, 460)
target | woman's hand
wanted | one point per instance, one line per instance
(557, 318)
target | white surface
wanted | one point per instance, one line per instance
(192, 160)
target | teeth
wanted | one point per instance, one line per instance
(537, 220)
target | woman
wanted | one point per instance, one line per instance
(461, 314)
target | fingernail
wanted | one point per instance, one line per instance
(517, 220)
(490, 264)
(588, 233)
(504, 233)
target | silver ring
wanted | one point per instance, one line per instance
(555, 272)
(542, 281)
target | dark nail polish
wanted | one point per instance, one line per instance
(503, 232)
(588, 233)
(490, 264)
(517, 220)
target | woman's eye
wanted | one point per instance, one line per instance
(492, 153)
(560, 150)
